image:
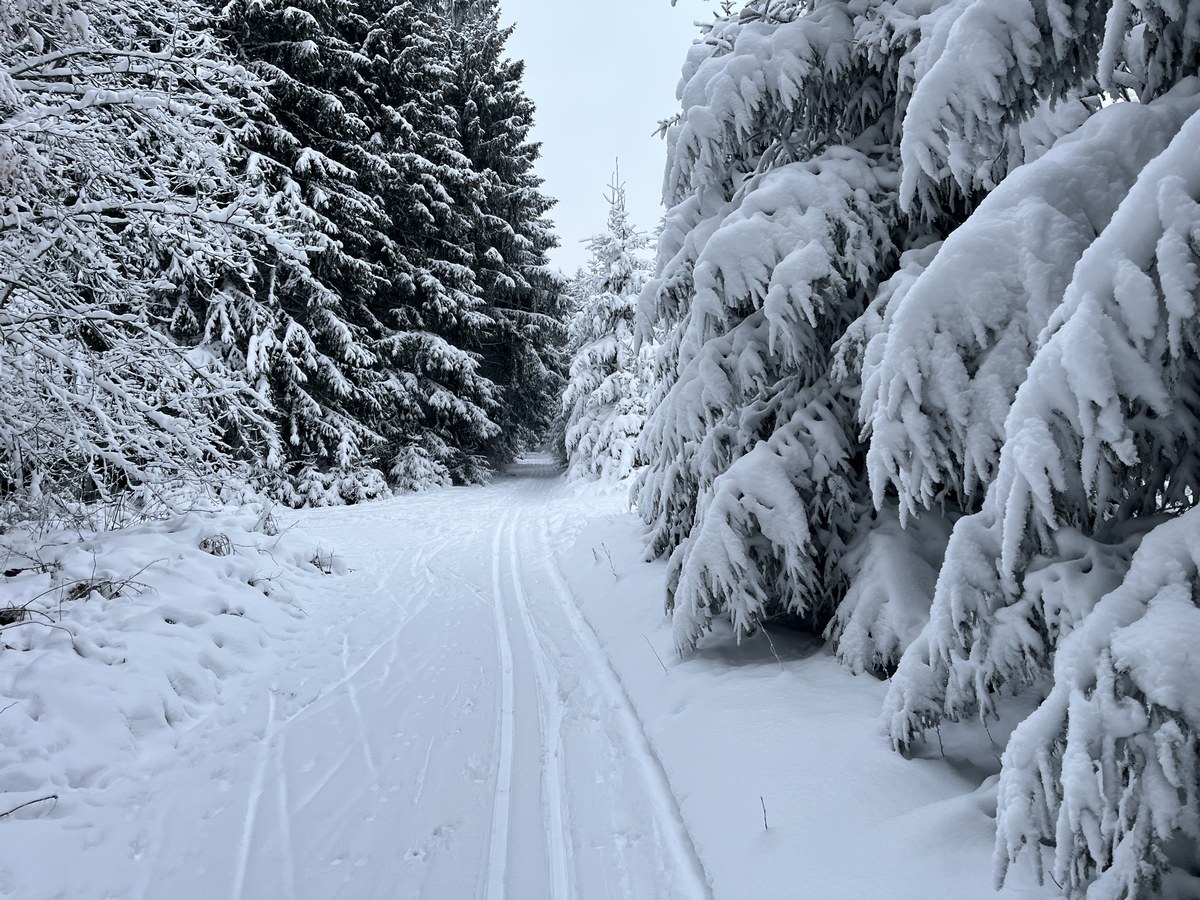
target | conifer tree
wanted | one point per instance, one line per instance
(989, 259)
(1068, 570)
(1050, 576)
(310, 140)
(521, 351)
(360, 125)
(443, 417)
(604, 404)
(784, 222)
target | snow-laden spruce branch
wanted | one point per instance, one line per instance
(940, 422)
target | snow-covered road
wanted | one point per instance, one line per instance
(450, 730)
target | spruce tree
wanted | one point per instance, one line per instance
(310, 141)
(1075, 559)
(1080, 552)
(359, 124)
(943, 221)
(521, 350)
(604, 404)
(443, 415)
(783, 223)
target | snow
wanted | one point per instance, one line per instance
(132, 644)
(480, 699)
(778, 722)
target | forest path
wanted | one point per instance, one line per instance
(448, 728)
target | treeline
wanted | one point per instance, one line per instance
(930, 385)
(298, 243)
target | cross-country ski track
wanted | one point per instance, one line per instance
(450, 729)
(479, 702)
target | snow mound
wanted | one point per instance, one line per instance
(112, 643)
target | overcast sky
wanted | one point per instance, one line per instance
(602, 73)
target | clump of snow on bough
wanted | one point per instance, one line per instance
(112, 639)
(1107, 770)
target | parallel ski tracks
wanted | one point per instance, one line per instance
(688, 869)
(551, 710)
(544, 645)
(502, 804)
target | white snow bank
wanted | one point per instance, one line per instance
(778, 728)
(117, 642)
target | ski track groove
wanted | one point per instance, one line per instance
(364, 736)
(153, 856)
(331, 690)
(506, 726)
(319, 786)
(420, 791)
(550, 714)
(286, 843)
(254, 800)
(668, 816)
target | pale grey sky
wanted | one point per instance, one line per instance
(602, 73)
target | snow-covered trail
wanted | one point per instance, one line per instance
(486, 706)
(447, 728)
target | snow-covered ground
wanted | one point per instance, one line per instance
(479, 700)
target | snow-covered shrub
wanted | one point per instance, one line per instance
(314, 487)
(136, 329)
(604, 404)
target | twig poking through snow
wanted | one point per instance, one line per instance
(607, 554)
(992, 740)
(766, 827)
(771, 644)
(655, 652)
(62, 628)
(53, 797)
(325, 563)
